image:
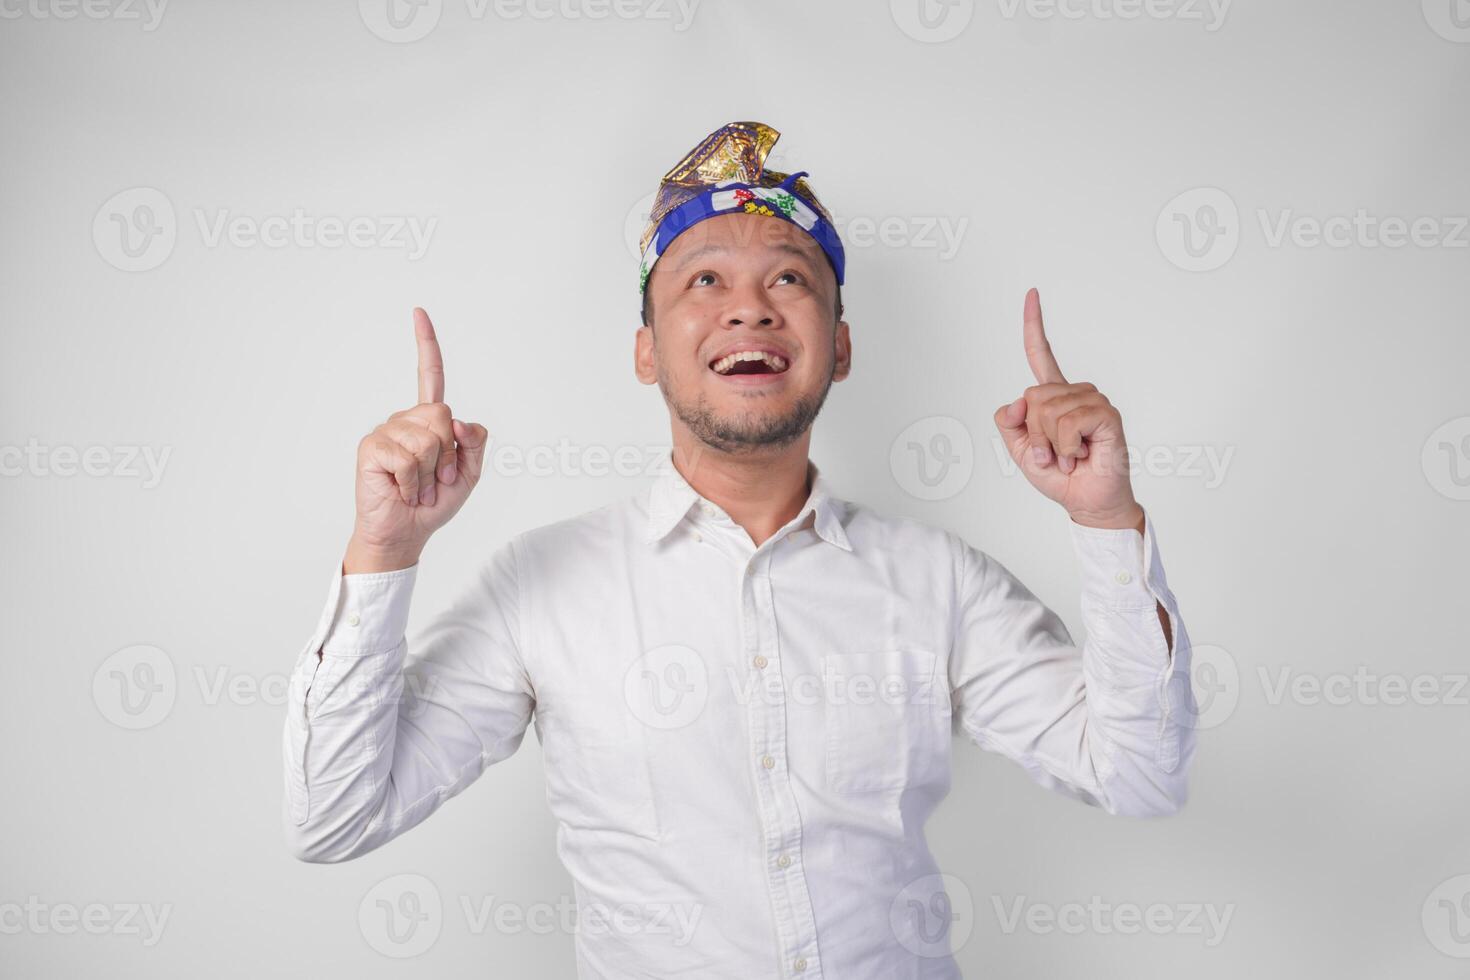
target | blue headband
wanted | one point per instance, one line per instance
(729, 196)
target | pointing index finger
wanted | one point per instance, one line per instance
(431, 361)
(1038, 350)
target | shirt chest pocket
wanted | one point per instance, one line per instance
(887, 721)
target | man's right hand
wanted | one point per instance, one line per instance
(414, 471)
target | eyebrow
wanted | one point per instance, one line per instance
(712, 249)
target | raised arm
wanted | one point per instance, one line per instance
(374, 740)
(1110, 721)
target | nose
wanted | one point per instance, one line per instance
(750, 307)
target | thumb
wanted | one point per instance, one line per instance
(472, 439)
(1010, 419)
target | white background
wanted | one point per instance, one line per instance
(1327, 542)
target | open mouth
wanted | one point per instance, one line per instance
(749, 362)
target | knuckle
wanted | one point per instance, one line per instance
(375, 443)
(412, 437)
(398, 456)
(434, 412)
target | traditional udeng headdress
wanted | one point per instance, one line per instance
(724, 173)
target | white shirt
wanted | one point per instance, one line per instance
(741, 744)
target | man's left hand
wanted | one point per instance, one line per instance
(1068, 438)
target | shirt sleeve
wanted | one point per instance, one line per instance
(375, 740)
(1109, 723)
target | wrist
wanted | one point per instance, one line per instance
(1130, 517)
(363, 557)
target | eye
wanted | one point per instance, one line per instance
(696, 281)
(794, 276)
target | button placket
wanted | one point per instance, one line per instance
(791, 902)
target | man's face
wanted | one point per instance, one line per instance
(759, 288)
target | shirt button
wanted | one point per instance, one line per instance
(784, 861)
(760, 661)
(768, 762)
(1123, 578)
(353, 620)
(698, 536)
(707, 508)
(800, 964)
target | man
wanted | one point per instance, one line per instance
(744, 687)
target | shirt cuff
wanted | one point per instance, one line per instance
(1118, 566)
(370, 614)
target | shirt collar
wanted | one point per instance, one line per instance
(671, 496)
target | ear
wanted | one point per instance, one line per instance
(842, 346)
(643, 356)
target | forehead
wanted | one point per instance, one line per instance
(738, 234)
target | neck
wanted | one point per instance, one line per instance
(761, 490)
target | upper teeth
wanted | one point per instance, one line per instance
(724, 364)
